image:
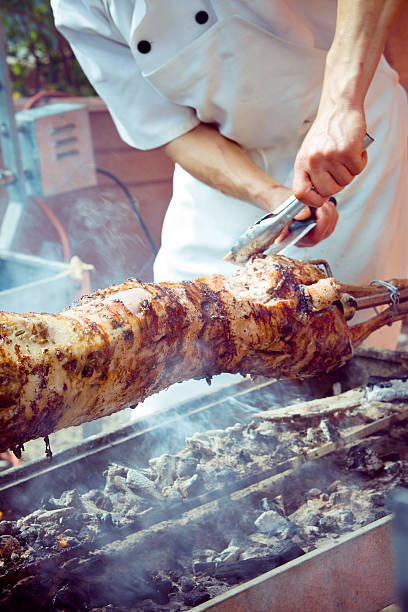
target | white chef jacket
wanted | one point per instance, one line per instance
(253, 69)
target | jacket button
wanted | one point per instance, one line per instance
(201, 17)
(144, 46)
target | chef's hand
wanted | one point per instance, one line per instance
(326, 220)
(331, 154)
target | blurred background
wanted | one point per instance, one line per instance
(110, 222)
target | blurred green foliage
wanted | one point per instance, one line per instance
(38, 56)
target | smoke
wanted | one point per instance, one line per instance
(227, 540)
(106, 234)
(29, 284)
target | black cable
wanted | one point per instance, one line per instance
(133, 205)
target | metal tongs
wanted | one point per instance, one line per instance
(260, 236)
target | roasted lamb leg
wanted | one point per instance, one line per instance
(275, 317)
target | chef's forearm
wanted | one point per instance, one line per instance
(396, 46)
(223, 164)
(362, 29)
(332, 153)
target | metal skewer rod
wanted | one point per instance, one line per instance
(379, 299)
(350, 305)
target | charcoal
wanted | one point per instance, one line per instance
(311, 532)
(244, 456)
(68, 598)
(334, 486)
(45, 516)
(307, 514)
(282, 452)
(49, 503)
(329, 523)
(329, 430)
(378, 499)
(339, 497)
(312, 436)
(271, 522)
(112, 471)
(205, 554)
(116, 540)
(347, 517)
(196, 597)
(392, 468)
(103, 502)
(204, 567)
(139, 483)
(232, 553)
(379, 515)
(186, 467)
(267, 438)
(391, 457)
(364, 460)
(163, 584)
(147, 605)
(176, 572)
(222, 476)
(164, 468)
(92, 495)
(234, 572)
(8, 546)
(28, 535)
(205, 444)
(124, 592)
(26, 595)
(275, 504)
(72, 498)
(312, 494)
(73, 520)
(187, 583)
(190, 486)
(8, 528)
(106, 521)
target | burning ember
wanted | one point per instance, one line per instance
(231, 504)
(62, 542)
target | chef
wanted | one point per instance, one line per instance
(253, 101)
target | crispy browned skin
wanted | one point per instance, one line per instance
(273, 318)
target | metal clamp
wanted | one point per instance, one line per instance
(394, 296)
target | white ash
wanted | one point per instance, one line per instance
(271, 522)
(395, 389)
(231, 553)
(138, 482)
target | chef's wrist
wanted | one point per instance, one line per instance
(270, 196)
(346, 95)
(343, 85)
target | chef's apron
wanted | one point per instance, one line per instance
(268, 109)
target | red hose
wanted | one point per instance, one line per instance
(85, 282)
(45, 94)
(58, 226)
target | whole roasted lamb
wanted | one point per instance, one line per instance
(275, 317)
